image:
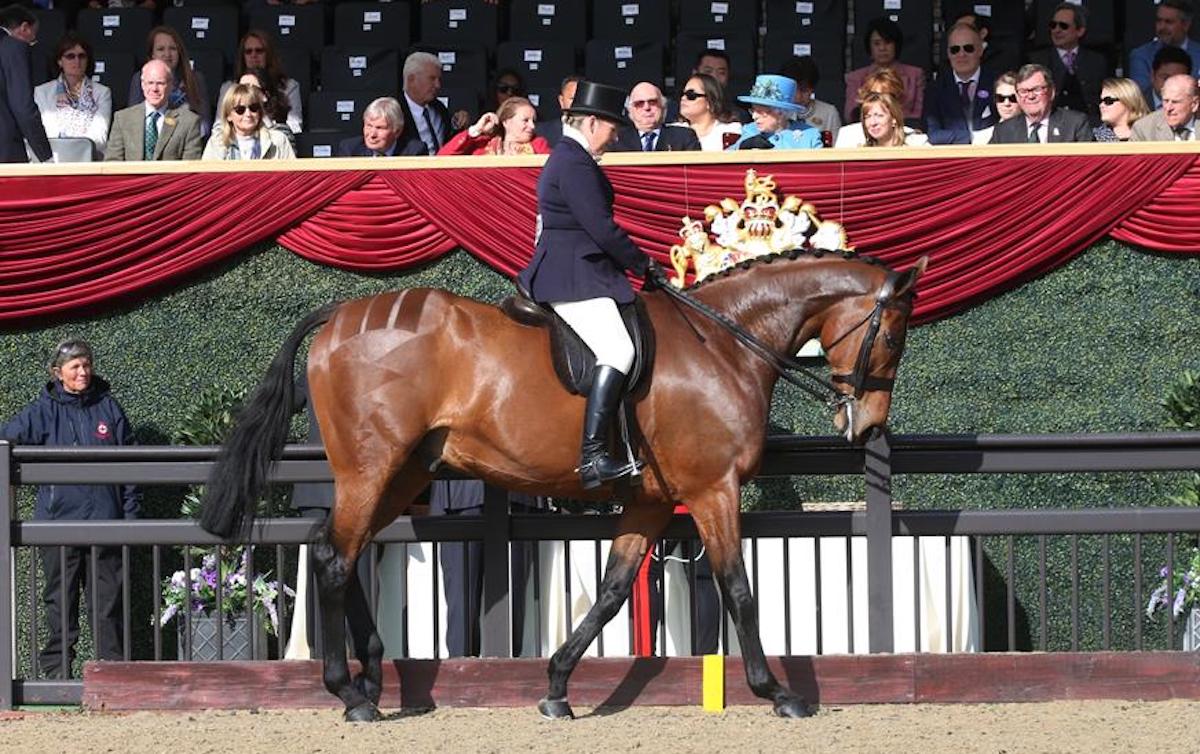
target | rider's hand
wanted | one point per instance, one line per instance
(655, 278)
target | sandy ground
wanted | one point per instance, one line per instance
(908, 729)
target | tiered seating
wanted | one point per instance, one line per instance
(372, 25)
(817, 29)
(915, 18)
(116, 29)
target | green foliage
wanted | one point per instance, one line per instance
(1182, 402)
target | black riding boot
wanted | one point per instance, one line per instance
(596, 466)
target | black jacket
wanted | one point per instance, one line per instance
(92, 418)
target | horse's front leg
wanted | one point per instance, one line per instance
(640, 525)
(719, 523)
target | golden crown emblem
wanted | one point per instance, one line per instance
(757, 225)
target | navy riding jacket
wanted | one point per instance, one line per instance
(581, 250)
(93, 418)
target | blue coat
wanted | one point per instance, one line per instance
(92, 418)
(581, 251)
(945, 121)
(798, 136)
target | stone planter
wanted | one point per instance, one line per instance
(235, 639)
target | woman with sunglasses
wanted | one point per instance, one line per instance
(257, 53)
(1005, 94)
(243, 134)
(508, 131)
(508, 83)
(1121, 105)
(883, 41)
(72, 105)
(164, 43)
(702, 106)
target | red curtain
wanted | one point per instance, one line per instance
(69, 243)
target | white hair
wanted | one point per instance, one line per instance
(418, 60)
(389, 109)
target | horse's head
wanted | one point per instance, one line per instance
(863, 337)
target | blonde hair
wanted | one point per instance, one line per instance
(1130, 95)
(891, 106)
(239, 94)
(509, 107)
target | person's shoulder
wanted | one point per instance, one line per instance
(183, 114)
(46, 89)
(348, 147)
(1147, 49)
(131, 112)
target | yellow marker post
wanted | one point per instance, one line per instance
(713, 683)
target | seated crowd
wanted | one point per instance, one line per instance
(1064, 92)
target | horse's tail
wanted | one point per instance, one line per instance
(239, 477)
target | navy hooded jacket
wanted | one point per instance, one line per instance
(93, 417)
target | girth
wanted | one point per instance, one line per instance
(574, 362)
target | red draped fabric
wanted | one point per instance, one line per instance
(70, 242)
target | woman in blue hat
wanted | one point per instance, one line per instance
(772, 108)
(579, 263)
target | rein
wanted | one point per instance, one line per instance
(789, 367)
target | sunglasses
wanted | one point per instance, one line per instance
(638, 104)
(954, 49)
(253, 107)
(74, 56)
(508, 88)
(254, 50)
(1060, 25)
(1109, 101)
(1007, 98)
(691, 96)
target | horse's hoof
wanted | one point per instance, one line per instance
(366, 712)
(555, 709)
(793, 707)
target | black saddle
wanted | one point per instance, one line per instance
(574, 362)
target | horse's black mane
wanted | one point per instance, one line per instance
(746, 264)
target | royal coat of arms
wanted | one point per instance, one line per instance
(759, 225)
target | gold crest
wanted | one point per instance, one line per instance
(759, 225)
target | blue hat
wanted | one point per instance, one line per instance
(770, 90)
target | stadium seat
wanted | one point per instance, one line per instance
(459, 98)
(817, 29)
(299, 26)
(561, 21)
(52, 24)
(729, 17)
(1006, 30)
(114, 69)
(338, 110)
(541, 64)
(622, 21)
(123, 29)
(740, 48)
(298, 65)
(322, 143)
(206, 27)
(460, 22)
(915, 18)
(211, 65)
(463, 66)
(623, 64)
(360, 69)
(1101, 29)
(372, 25)
(545, 100)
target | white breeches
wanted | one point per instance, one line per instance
(598, 324)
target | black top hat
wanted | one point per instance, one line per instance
(601, 100)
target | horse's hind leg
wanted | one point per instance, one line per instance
(640, 526)
(720, 529)
(363, 506)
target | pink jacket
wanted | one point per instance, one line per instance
(914, 89)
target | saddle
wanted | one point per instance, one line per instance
(574, 362)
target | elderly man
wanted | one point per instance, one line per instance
(1172, 22)
(1168, 62)
(551, 130)
(1077, 71)
(383, 125)
(20, 120)
(1041, 123)
(959, 102)
(425, 117)
(647, 107)
(1176, 121)
(152, 129)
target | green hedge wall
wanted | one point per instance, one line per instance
(1089, 347)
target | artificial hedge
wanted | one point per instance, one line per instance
(1087, 348)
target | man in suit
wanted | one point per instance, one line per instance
(551, 130)
(383, 125)
(647, 107)
(1077, 72)
(152, 129)
(1172, 22)
(960, 100)
(425, 117)
(20, 120)
(1042, 123)
(1176, 121)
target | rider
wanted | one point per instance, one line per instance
(578, 263)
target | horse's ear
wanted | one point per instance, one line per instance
(909, 279)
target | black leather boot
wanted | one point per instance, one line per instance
(596, 466)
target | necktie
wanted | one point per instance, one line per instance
(1069, 61)
(433, 136)
(964, 93)
(648, 140)
(1183, 133)
(151, 135)
(1034, 133)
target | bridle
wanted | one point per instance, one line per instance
(792, 370)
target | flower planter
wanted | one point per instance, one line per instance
(1191, 631)
(235, 638)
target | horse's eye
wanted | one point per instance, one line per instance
(892, 342)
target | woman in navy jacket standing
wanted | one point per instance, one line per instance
(578, 266)
(76, 408)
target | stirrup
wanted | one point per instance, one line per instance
(591, 478)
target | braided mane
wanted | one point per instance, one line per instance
(746, 264)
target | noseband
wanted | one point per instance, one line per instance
(860, 379)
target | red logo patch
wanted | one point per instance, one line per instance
(102, 430)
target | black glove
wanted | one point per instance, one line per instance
(655, 277)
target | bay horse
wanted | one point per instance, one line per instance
(404, 381)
